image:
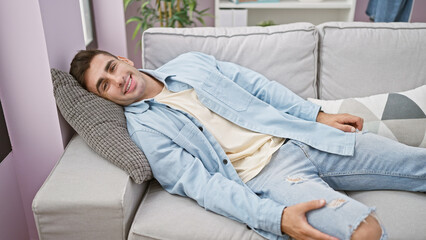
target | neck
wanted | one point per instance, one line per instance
(153, 85)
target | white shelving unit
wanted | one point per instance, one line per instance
(289, 11)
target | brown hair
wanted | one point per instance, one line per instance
(81, 63)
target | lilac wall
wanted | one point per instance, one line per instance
(12, 216)
(61, 20)
(132, 53)
(28, 103)
(135, 56)
(62, 28)
(110, 29)
(35, 36)
(419, 11)
(360, 15)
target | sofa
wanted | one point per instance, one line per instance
(88, 197)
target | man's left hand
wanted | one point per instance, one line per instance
(344, 122)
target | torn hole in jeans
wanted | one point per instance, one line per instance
(336, 203)
(295, 179)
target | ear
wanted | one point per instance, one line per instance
(126, 60)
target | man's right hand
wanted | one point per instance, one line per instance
(294, 223)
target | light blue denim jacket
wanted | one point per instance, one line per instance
(187, 160)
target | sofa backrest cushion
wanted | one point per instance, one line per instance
(284, 53)
(361, 59)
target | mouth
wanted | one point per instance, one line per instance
(129, 85)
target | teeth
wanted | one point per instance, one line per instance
(128, 86)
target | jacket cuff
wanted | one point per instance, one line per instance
(270, 218)
(309, 111)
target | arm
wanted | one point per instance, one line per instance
(268, 91)
(181, 173)
(284, 99)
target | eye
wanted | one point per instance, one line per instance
(104, 85)
(113, 67)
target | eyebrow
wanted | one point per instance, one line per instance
(100, 80)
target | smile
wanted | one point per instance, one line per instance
(130, 85)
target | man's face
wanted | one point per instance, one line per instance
(115, 79)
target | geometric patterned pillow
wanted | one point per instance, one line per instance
(102, 125)
(399, 116)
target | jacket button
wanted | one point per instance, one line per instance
(201, 128)
(225, 161)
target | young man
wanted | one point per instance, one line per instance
(250, 149)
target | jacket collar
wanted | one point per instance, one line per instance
(143, 105)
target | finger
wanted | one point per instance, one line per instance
(346, 128)
(355, 121)
(311, 205)
(311, 232)
(360, 124)
(347, 118)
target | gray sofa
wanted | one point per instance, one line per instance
(87, 197)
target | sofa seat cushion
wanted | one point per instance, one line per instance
(403, 214)
(165, 216)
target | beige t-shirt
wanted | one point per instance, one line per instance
(248, 151)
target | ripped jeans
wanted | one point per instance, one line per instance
(298, 173)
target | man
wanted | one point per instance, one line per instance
(249, 149)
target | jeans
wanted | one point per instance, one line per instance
(299, 173)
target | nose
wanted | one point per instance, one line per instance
(118, 81)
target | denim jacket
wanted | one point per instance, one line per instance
(187, 160)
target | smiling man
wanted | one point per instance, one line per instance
(115, 79)
(250, 149)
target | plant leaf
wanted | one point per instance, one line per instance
(135, 33)
(138, 46)
(202, 11)
(144, 4)
(133, 19)
(201, 20)
(126, 3)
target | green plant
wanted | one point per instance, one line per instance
(166, 13)
(266, 23)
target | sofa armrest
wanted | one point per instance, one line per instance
(86, 197)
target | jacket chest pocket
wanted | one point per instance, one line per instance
(227, 92)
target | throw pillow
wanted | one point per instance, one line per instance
(399, 116)
(102, 125)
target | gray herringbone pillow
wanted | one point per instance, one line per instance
(102, 125)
